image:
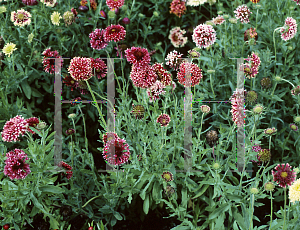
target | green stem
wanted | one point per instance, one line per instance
(288, 82)
(75, 130)
(131, 8)
(232, 38)
(252, 210)
(271, 210)
(243, 49)
(200, 131)
(85, 139)
(256, 19)
(275, 47)
(272, 96)
(90, 200)
(284, 211)
(148, 28)
(212, 87)
(284, 145)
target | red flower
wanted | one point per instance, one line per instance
(76, 100)
(178, 8)
(68, 173)
(164, 119)
(143, 77)
(100, 67)
(69, 81)
(155, 90)
(80, 68)
(114, 3)
(97, 39)
(32, 122)
(15, 166)
(163, 75)
(49, 64)
(284, 176)
(13, 128)
(138, 56)
(116, 152)
(195, 73)
(110, 136)
(173, 59)
(114, 33)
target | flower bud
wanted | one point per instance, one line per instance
(291, 7)
(264, 13)
(258, 6)
(156, 14)
(220, 12)
(205, 108)
(126, 21)
(254, 191)
(277, 78)
(297, 119)
(233, 20)
(2, 9)
(102, 14)
(225, 16)
(269, 186)
(72, 115)
(41, 125)
(290, 48)
(111, 14)
(210, 71)
(258, 109)
(141, 15)
(216, 166)
(220, 4)
(124, 7)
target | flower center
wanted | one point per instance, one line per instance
(113, 30)
(164, 120)
(138, 55)
(175, 37)
(21, 16)
(284, 174)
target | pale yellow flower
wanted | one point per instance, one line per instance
(294, 192)
(2, 9)
(55, 17)
(30, 37)
(9, 48)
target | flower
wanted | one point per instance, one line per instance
(30, 37)
(204, 36)
(195, 2)
(216, 166)
(218, 20)
(13, 128)
(167, 176)
(250, 34)
(193, 54)
(258, 109)
(9, 48)
(70, 131)
(178, 8)
(80, 68)
(114, 3)
(195, 73)
(143, 77)
(49, 61)
(92, 2)
(294, 127)
(297, 119)
(163, 75)
(97, 39)
(138, 111)
(205, 108)
(109, 136)
(55, 17)
(68, 173)
(100, 67)
(264, 155)
(69, 18)
(254, 191)
(32, 122)
(283, 175)
(50, 3)
(289, 30)
(270, 131)
(251, 96)
(15, 165)
(69, 81)
(212, 138)
(255, 1)
(120, 50)
(237, 104)
(297, 2)
(138, 56)
(155, 90)
(20, 18)
(232, 20)
(102, 14)
(256, 148)
(242, 12)
(81, 86)
(156, 14)
(269, 186)
(114, 33)
(296, 91)
(41, 125)
(266, 82)
(126, 21)
(163, 119)
(177, 38)
(251, 70)
(116, 151)
(72, 115)
(173, 59)
(2, 9)
(294, 190)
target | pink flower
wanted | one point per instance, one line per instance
(297, 2)
(100, 67)
(49, 64)
(296, 91)
(178, 8)
(80, 68)
(138, 56)
(164, 120)
(173, 59)
(163, 75)
(204, 36)
(155, 90)
(114, 3)
(218, 20)
(195, 73)
(32, 122)
(284, 176)
(243, 13)
(116, 151)
(13, 128)
(237, 104)
(143, 77)
(289, 30)
(97, 39)
(109, 136)
(114, 33)
(15, 165)
(251, 70)
(177, 38)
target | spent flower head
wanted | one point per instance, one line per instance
(269, 186)
(270, 131)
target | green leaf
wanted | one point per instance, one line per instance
(26, 89)
(221, 209)
(51, 189)
(239, 219)
(118, 216)
(129, 197)
(37, 204)
(53, 223)
(201, 191)
(146, 204)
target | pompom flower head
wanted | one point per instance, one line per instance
(20, 18)
(99, 67)
(97, 39)
(174, 59)
(204, 36)
(283, 175)
(218, 20)
(114, 33)
(195, 73)
(15, 165)
(115, 3)
(237, 104)
(80, 68)
(143, 77)
(155, 90)
(32, 122)
(289, 30)
(162, 75)
(178, 8)
(243, 13)
(49, 61)
(294, 191)
(13, 128)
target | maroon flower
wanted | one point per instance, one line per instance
(97, 39)
(120, 49)
(30, 2)
(164, 119)
(80, 68)
(49, 64)
(155, 90)
(15, 165)
(138, 56)
(32, 122)
(13, 128)
(283, 175)
(69, 81)
(116, 151)
(70, 131)
(114, 33)
(102, 14)
(163, 75)
(115, 3)
(195, 73)
(100, 67)
(109, 136)
(167, 176)
(126, 21)
(68, 173)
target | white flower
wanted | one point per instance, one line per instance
(55, 17)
